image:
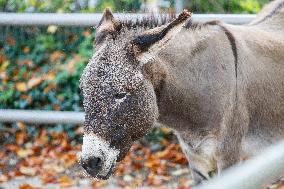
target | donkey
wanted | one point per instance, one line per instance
(220, 87)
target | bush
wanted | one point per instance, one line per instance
(40, 67)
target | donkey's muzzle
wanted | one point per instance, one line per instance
(93, 164)
(98, 158)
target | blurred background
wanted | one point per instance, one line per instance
(40, 67)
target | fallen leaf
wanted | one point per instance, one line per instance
(11, 41)
(33, 82)
(12, 147)
(47, 177)
(4, 65)
(56, 55)
(29, 171)
(27, 186)
(26, 50)
(180, 172)
(98, 184)
(52, 29)
(20, 137)
(21, 86)
(21, 125)
(23, 153)
(65, 181)
(3, 178)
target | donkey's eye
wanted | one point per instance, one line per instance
(119, 95)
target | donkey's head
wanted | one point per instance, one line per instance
(119, 95)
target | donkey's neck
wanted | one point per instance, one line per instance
(196, 67)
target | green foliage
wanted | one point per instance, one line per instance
(41, 67)
(67, 5)
(123, 5)
(224, 6)
(197, 6)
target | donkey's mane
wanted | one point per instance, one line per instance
(148, 22)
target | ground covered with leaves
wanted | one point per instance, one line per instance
(48, 159)
(52, 158)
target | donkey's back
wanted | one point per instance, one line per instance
(271, 18)
(261, 81)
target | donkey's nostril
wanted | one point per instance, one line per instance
(94, 163)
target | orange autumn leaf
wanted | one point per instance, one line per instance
(48, 177)
(86, 33)
(11, 147)
(99, 184)
(36, 160)
(56, 55)
(11, 41)
(33, 82)
(2, 58)
(3, 178)
(21, 125)
(42, 139)
(29, 171)
(69, 160)
(20, 137)
(26, 50)
(21, 86)
(65, 181)
(27, 186)
(23, 153)
(49, 76)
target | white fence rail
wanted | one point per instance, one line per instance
(253, 174)
(83, 19)
(41, 117)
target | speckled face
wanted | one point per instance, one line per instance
(120, 107)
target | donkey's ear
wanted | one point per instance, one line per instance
(108, 27)
(153, 41)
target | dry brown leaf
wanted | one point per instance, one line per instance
(26, 50)
(86, 33)
(23, 153)
(34, 81)
(2, 59)
(11, 41)
(48, 177)
(65, 181)
(35, 160)
(21, 86)
(56, 55)
(53, 166)
(98, 184)
(69, 160)
(29, 171)
(20, 137)
(21, 125)
(27, 186)
(12, 147)
(42, 139)
(49, 76)
(3, 178)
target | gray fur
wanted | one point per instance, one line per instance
(219, 86)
